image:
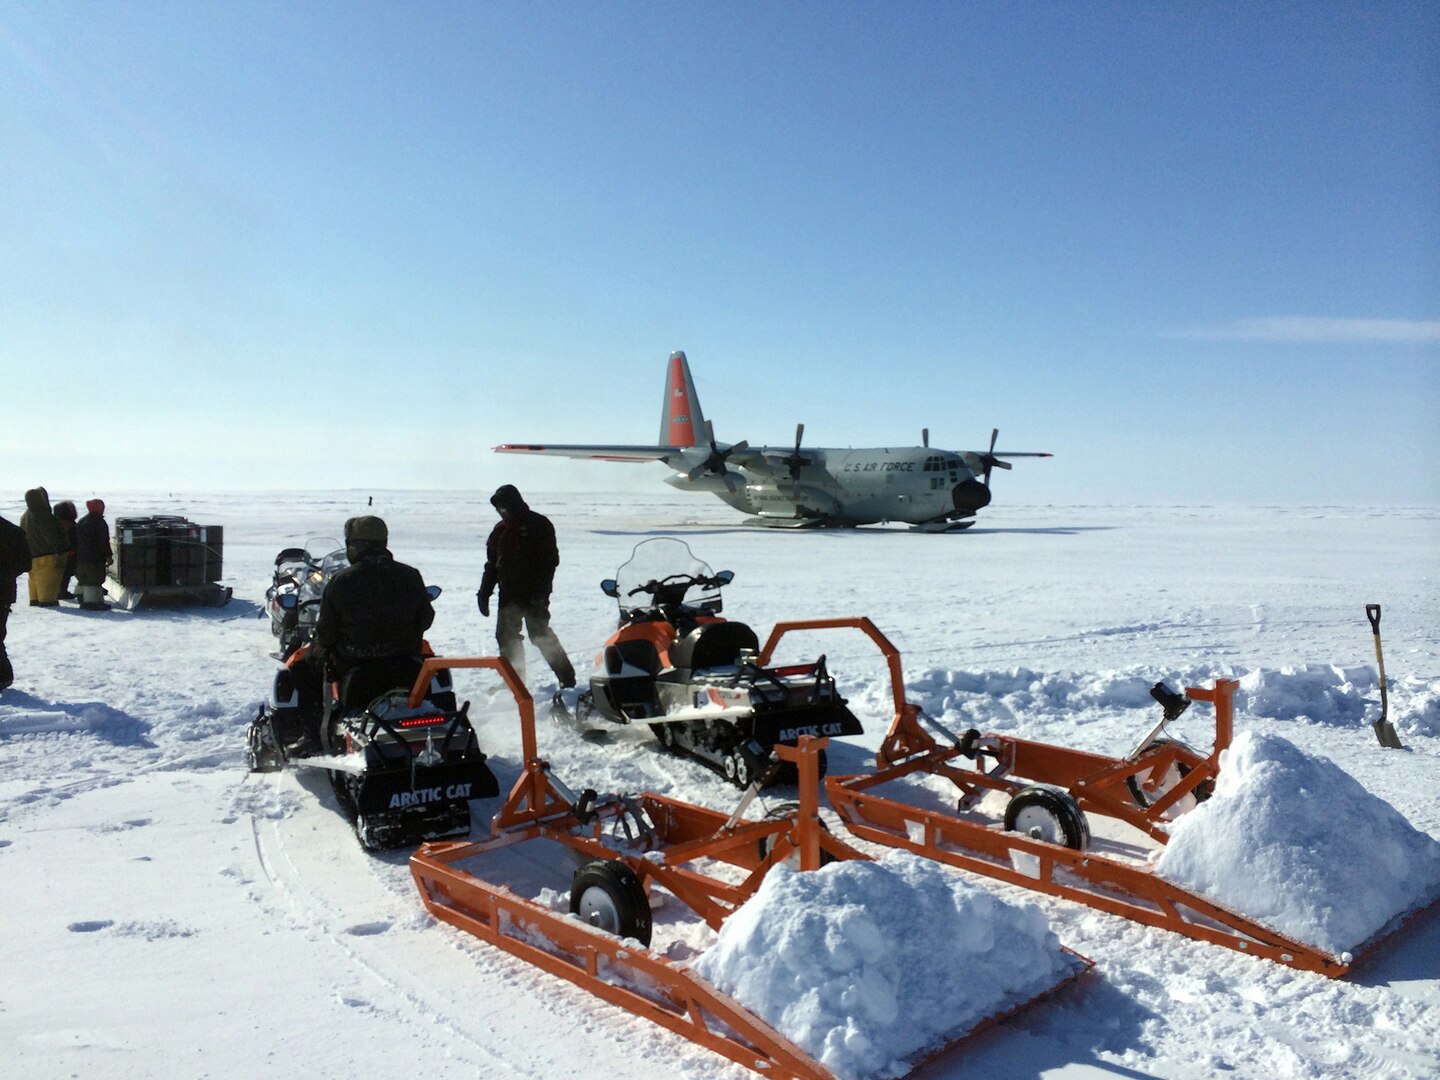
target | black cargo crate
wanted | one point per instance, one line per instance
(164, 551)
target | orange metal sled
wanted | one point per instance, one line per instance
(675, 851)
(1159, 776)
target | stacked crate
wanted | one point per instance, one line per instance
(164, 551)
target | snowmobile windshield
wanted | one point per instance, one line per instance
(663, 571)
(325, 568)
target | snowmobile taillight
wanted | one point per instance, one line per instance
(794, 669)
(420, 721)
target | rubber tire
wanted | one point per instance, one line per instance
(607, 895)
(1052, 811)
(1202, 790)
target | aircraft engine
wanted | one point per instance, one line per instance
(970, 495)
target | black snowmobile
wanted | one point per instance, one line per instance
(695, 677)
(402, 772)
(293, 598)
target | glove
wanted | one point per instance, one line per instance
(484, 602)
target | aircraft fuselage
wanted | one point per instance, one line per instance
(913, 484)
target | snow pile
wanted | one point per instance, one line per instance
(1323, 693)
(866, 964)
(1295, 842)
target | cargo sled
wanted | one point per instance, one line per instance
(624, 847)
(163, 559)
(694, 677)
(402, 759)
(1039, 837)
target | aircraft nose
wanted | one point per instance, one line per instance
(970, 495)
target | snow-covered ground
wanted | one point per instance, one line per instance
(167, 914)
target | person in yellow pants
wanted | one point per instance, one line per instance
(47, 548)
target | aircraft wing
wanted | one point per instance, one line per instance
(596, 453)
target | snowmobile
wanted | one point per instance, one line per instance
(402, 759)
(293, 598)
(696, 678)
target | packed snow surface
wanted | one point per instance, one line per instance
(1298, 844)
(865, 965)
(166, 914)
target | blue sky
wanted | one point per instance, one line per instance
(1192, 249)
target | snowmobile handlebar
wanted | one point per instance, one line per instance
(683, 583)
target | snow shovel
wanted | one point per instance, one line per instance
(1384, 729)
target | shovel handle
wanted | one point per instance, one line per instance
(1372, 612)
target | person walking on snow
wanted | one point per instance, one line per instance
(47, 548)
(14, 561)
(93, 554)
(521, 557)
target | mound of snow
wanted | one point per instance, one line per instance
(1296, 843)
(1323, 693)
(866, 964)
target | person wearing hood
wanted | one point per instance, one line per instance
(14, 561)
(373, 615)
(47, 548)
(93, 554)
(520, 558)
(65, 513)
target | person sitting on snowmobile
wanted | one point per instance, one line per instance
(373, 616)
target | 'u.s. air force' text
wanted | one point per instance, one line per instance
(879, 466)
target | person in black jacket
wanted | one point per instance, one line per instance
(521, 557)
(65, 513)
(14, 561)
(93, 554)
(373, 616)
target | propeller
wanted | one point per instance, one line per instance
(716, 461)
(990, 461)
(795, 461)
(983, 463)
(925, 438)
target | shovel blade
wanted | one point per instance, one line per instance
(1386, 733)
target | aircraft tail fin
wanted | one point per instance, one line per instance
(681, 421)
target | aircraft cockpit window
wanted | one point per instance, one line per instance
(934, 464)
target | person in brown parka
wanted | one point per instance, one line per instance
(47, 548)
(93, 554)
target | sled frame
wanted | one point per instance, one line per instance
(622, 971)
(1098, 784)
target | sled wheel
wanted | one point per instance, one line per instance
(1050, 815)
(665, 733)
(766, 844)
(607, 895)
(737, 769)
(1173, 776)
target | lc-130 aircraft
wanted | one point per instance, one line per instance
(932, 490)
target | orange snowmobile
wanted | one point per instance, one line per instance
(696, 678)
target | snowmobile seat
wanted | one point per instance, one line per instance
(716, 644)
(368, 679)
(636, 654)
